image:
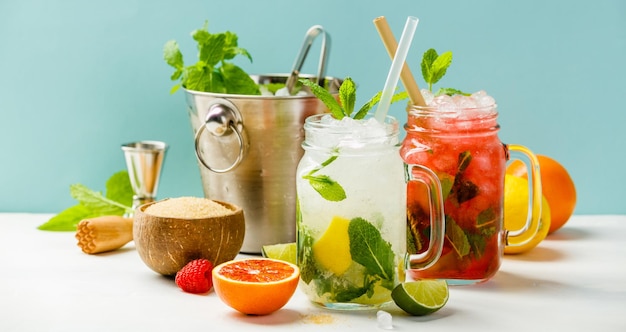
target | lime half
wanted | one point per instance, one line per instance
(281, 251)
(421, 297)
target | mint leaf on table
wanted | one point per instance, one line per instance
(212, 72)
(369, 249)
(92, 203)
(119, 189)
(67, 220)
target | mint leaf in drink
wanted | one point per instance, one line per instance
(306, 260)
(212, 72)
(368, 248)
(368, 106)
(328, 188)
(486, 217)
(118, 201)
(457, 237)
(347, 95)
(326, 97)
(434, 66)
(462, 189)
(451, 92)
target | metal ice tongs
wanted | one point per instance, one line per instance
(309, 37)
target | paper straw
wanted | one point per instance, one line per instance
(409, 82)
(396, 67)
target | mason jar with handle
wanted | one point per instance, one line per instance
(461, 145)
(351, 219)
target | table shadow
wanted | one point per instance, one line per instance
(537, 254)
(280, 317)
(514, 283)
(568, 234)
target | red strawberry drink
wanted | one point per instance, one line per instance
(457, 137)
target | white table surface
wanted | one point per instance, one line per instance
(573, 281)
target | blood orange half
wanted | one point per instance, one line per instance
(255, 286)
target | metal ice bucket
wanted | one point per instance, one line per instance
(248, 148)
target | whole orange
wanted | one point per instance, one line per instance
(255, 286)
(557, 187)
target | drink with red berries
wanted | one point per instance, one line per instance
(457, 138)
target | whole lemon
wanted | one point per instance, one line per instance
(515, 212)
(557, 187)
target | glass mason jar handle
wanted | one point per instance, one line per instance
(437, 218)
(534, 194)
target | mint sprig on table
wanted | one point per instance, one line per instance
(213, 72)
(117, 201)
(434, 68)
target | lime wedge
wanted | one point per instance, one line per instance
(281, 251)
(421, 297)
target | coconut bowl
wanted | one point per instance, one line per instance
(167, 244)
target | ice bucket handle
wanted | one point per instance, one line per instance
(222, 118)
(309, 37)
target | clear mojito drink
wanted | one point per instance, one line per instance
(351, 212)
(456, 137)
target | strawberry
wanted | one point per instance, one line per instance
(195, 277)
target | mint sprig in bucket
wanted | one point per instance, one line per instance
(214, 71)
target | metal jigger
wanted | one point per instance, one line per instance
(144, 160)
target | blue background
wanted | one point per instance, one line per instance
(79, 78)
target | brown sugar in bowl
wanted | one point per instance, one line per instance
(179, 230)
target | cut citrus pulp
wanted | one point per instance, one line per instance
(281, 251)
(255, 286)
(421, 297)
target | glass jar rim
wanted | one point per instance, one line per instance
(321, 135)
(485, 111)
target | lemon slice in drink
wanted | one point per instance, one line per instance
(332, 250)
(282, 251)
(421, 297)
